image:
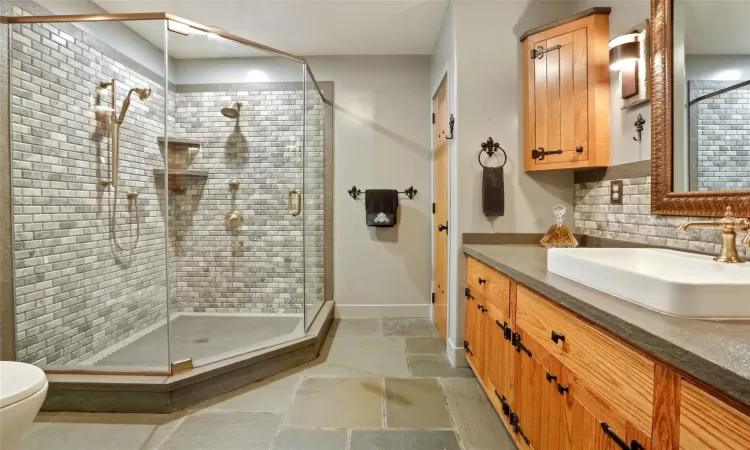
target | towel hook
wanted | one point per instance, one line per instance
(639, 127)
(490, 147)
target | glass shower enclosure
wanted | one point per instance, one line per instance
(168, 182)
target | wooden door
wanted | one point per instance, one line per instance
(440, 192)
(559, 97)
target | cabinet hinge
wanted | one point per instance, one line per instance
(506, 329)
(433, 208)
(433, 118)
(467, 292)
(467, 347)
(516, 427)
(504, 402)
(516, 342)
(433, 297)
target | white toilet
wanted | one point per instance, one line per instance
(22, 391)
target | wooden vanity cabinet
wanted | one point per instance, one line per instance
(585, 390)
(566, 93)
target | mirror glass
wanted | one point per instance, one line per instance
(711, 105)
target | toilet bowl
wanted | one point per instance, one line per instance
(22, 391)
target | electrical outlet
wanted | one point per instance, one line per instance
(615, 192)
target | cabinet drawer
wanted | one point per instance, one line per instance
(707, 423)
(493, 285)
(621, 376)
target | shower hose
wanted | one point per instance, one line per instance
(113, 223)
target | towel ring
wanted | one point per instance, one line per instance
(490, 147)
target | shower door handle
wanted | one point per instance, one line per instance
(294, 212)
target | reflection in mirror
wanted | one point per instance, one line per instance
(711, 95)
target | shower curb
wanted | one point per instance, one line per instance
(167, 394)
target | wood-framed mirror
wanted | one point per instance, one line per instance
(700, 107)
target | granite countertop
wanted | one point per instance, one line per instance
(714, 352)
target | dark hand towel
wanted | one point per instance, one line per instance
(381, 206)
(493, 192)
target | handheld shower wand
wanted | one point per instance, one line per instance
(114, 133)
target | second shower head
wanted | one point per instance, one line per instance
(232, 112)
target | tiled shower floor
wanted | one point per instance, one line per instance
(200, 337)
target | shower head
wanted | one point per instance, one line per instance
(143, 94)
(232, 112)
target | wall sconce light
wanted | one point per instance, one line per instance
(628, 55)
(624, 52)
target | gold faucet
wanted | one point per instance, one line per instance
(729, 225)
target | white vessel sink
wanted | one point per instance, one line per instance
(668, 281)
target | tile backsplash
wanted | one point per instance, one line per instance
(632, 220)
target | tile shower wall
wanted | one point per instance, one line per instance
(719, 132)
(633, 221)
(75, 293)
(258, 268)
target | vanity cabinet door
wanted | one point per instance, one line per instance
(707, 423)
(566, 95)
(474, 340)
(498, 355)
(560, 98)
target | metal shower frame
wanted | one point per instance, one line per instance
(78, 18)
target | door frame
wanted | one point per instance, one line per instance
(444, 79)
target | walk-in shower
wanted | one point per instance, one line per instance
(162, 284)
(115, 123)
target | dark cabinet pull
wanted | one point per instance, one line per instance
(517, 428)
(506, 329)
(562, 389)
(634, 445)
(482, 308)
(579, 149)
(557, 337)
(516, 342)
(442, 227)
(468, 294)
(551, 377)
(468, 348)
(482, 281)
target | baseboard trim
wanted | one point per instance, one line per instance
(456, 355)
(381, 311)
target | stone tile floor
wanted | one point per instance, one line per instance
(378, 385)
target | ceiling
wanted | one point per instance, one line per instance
(300, 27)
(716, 27)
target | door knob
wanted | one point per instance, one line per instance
(442, 227)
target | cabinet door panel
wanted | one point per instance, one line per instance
(707, 423)
(498, 354)
(565, 97)
(540, 99)
(474, 332)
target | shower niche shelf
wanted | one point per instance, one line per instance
(175, 141)
(177, 177)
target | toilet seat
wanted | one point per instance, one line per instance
(19, 381)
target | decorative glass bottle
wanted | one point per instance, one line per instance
(559, 235)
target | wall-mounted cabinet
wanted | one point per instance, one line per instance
(566, 93)
(560, 382)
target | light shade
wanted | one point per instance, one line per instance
(624, 51)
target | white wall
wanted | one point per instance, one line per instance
(488, 99)
(717, 67)
(115, 34)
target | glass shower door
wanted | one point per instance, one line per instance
(314, 200)
(236, 216)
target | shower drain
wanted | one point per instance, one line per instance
(201, 341)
